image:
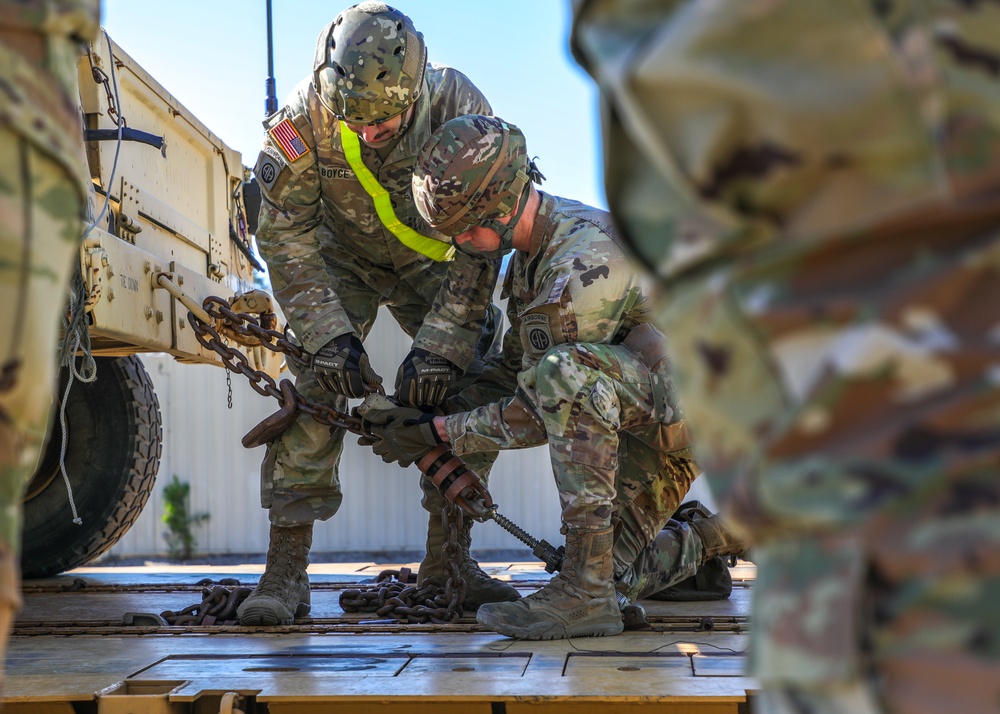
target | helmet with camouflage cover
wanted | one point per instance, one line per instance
(472, 171)
(369, 63)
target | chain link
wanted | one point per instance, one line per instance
(261, 382)
(407, 603)
(217, 607)
(452, 518)
(101, 77)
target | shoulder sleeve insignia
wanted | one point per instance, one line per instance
(288, 139)
(267, 169)
(536, 334)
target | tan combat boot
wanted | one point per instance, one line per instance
(579, 602)
(717, 539)
(480, 588)
(283, 591)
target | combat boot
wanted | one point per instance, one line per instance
(716, 538)
(480, 588)
(282, 594)
(578, 602)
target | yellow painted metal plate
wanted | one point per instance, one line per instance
(129, 310)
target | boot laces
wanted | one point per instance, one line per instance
(471, 571)
(282, 569)
(557, 588)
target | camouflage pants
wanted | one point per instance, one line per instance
(862, 451)
(613, 465)
(40, 229)
(300, 480)
(675, 554)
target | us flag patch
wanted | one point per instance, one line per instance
(287, 137)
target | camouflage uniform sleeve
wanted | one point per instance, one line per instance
(458, 315)
(497, 414)
(584, 298)
(78, 19)
(40, 100)
(289, 236)
(452, 327)
(454, 95)
(500, 415)
(491, 413)
(497, 381)
(511, 423)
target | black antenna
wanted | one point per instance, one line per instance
(271, 103)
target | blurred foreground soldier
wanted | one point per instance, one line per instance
(43, 198)
(341, 237)
(816, 185)
(588, 376)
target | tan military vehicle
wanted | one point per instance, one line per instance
(171, 222)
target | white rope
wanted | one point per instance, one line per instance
(77, 330)
(62, 446)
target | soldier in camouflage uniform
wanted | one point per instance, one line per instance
(817, 186)
(591, 378)
(341, 237)
(43, 199)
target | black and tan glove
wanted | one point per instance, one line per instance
(342, 366)
(403, 434)
(424, 378)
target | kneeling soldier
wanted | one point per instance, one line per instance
(582, 369)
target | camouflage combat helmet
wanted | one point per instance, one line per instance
(369, 63)
(472, 171)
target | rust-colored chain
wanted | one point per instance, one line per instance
(452, 518)
(101, 77)
(217, 607)
(261, 382)
(434, 603)
(407, 603)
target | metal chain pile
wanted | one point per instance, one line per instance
(217, 607)
(408, 603)
(434, 603)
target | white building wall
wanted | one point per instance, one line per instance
(381, 509)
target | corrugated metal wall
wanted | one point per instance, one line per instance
(381, 509)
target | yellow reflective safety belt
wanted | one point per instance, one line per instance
(433, 249)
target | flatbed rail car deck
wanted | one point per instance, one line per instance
(69, 653)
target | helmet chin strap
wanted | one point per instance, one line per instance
(408, 114)
(506, 232)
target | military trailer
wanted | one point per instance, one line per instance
(171, 227)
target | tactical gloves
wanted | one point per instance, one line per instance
(403, 434)
(342, 367)
(424, 378)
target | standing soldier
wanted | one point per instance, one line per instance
(341, 237)
(591, 380)
(43, 200)
(817, 185)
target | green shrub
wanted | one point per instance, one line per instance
(179, 520)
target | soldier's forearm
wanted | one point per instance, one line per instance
(508, 424)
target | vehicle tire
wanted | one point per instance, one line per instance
(113, 449)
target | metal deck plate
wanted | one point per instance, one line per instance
(301, 669)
